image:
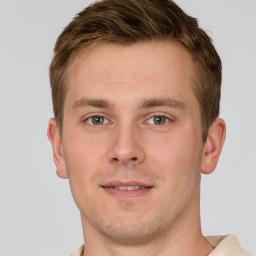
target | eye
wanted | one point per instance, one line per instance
(158, 120)
(97, 120)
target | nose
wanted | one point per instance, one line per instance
(126, 146)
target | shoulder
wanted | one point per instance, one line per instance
(226, 246)
(78, 251)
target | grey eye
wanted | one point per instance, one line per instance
(158, 120)
(97, 120)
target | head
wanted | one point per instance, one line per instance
(136, 88)
(129, 22)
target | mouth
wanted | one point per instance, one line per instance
(126, 190)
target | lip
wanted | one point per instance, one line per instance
(126, 194)
(117, 183)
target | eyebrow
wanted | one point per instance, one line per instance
(148, 103)
(168, 102)
(97, 103)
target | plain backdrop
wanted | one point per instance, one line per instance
(37, 213)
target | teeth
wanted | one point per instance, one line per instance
(129, 188)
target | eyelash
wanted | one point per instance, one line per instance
(106, 121)
(96, 116)
(166, 119)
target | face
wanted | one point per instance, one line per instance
(132, 143)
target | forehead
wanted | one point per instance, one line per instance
(154, 55)
(150, 67)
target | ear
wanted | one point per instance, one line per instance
(57, 148)
(213, 146)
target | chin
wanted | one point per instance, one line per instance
(132, 233)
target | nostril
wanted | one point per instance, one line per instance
(132, 159)
(115, 159)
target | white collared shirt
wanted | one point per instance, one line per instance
(224, 246)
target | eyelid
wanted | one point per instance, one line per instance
(168, 116)
(91, 115)
(167, 120)
(86, 117)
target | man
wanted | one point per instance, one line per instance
(136, 91)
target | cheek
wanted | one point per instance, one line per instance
(177, 147)
(81, 149)
(83, 165)
(177, 158)
(84, 159)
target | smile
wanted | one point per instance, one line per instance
(126, 190)
(129, 188)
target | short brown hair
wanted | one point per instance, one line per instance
(132, 21)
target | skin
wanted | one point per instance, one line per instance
(131, 117)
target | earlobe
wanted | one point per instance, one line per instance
(213, 146)
(57, 148)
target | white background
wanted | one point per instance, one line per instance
(37, 213)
